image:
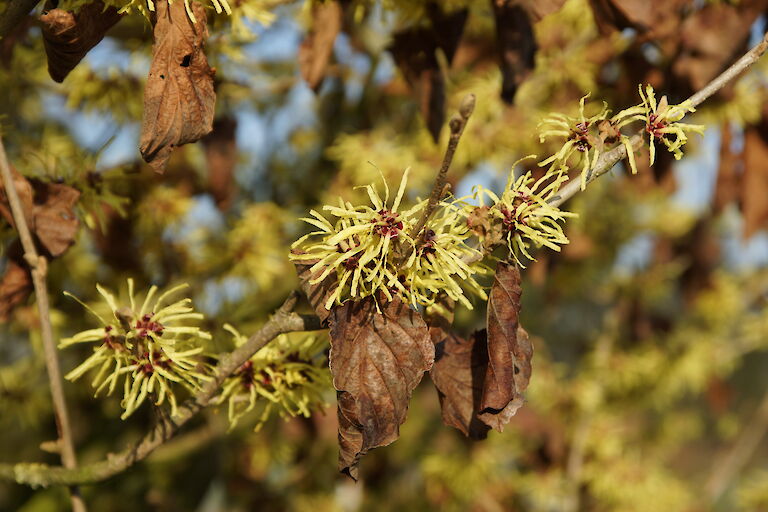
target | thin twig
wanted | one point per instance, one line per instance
(731, 464)
(282, 321)
(39, 269)
(607, 160)
(457, 125)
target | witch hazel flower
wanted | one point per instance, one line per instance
(151, 347)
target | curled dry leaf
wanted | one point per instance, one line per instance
(509, 350)
(179, 98)
(316, 49)
(317, 293)
(68, 36)
(377, 359)
(458, 374)
(515, 44)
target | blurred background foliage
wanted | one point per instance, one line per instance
(650, 329)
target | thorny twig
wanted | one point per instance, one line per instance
(39, 269)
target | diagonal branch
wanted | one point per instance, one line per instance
(39, 269)
(607, 160)
(282, 321)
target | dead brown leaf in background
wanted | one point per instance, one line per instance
(48, 209)
(620, 14)
(69, 36)
(712, 38)
(221, 158)
(55, 222)
(754, 187)
(728, 185)
(515, 45)
(458, 374)
(317, 47)
(509, 350)
(179, 98)
(377, 359)
(414, 51)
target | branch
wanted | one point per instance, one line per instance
(14, 12)
(739, 455)
(457, 125)
(283, 321)
(39, 269)
(607, 160)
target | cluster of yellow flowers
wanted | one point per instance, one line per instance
(150, 347)
(372, 249)
(589, 137)
(286, 375)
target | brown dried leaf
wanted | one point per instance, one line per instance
(15, 286)
(377, 359)
(458, 373)
(55, 222)
(515, 44)
(179, 98)
(509, 350)
(316, 49)
(621, 14)
(317, 294)
(712, 38)
(754, 190)
(68, 36)
(221, 157)
(447, 28)
(728, 187)
(414, 51)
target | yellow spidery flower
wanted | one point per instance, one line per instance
(580, 138)
(152, 348)
(369, 249)
(661, 122)
(289, 374)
